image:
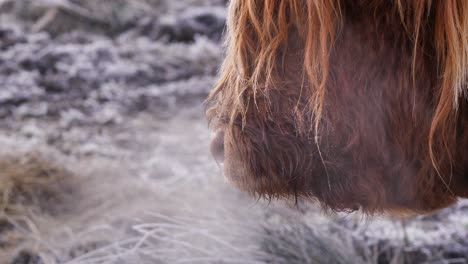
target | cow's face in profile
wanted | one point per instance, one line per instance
(355, 104)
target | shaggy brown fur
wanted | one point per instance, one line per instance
(354, 103)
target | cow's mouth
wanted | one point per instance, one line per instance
(217, 146)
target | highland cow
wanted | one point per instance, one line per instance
(356, 104)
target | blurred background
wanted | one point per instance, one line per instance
(104, 151)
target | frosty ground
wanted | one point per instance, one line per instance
(105, 159)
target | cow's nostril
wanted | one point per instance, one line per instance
(217, 146)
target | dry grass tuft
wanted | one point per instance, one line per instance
(29, 180)
(30, 185)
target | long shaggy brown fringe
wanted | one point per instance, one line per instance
(257, 33)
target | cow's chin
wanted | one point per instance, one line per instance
(276, 163)
(269, 163)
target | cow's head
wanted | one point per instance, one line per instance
(356, 104)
